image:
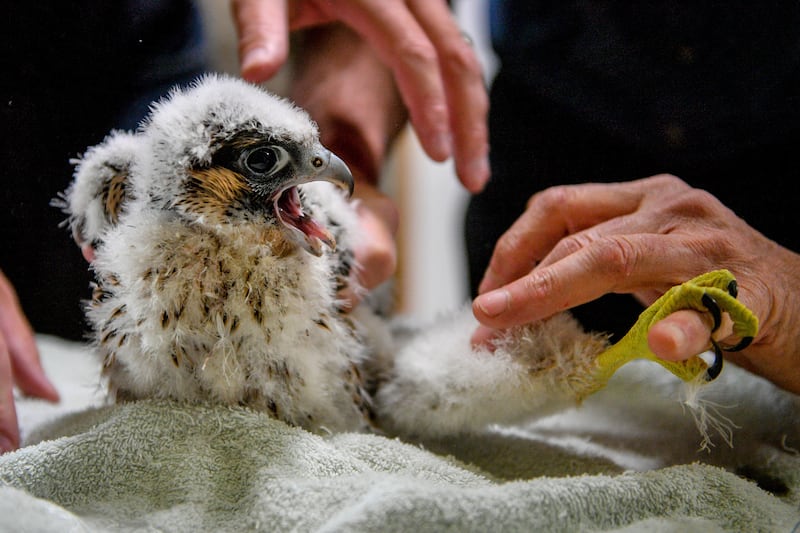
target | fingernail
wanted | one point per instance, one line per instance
(477, 174)
(679, 338)
(493, 303)
(254, 62)
(677, 344)
(442, 145)
(255, 56)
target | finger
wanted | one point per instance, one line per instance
(263, 33)
(465, 90)
(29, 375)
(9, 431)
(619, 208)
(551, 215)
(376, 253)
(19, 343)
(88, 253)
(483, 337)
(681, 335)
(404, 46)
(613, 264)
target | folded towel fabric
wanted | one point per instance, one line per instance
(625, 461)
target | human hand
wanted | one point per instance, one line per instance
(434, 67)
(354, 124)
(19, 363)
(576, 243)
(376, 251)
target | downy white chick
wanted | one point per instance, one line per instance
(222, 234)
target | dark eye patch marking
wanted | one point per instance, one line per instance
(255, 154)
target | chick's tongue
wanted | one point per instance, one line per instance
(291, 214)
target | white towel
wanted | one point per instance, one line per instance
(627, 460)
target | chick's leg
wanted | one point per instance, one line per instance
(440, 385)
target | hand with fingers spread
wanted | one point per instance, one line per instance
(576, 243)
(433, 66)
(19, 364)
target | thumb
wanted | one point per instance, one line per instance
(680, 335)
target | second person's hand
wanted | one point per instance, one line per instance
(19, 364)
(434, 66)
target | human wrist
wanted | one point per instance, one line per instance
(775, 354)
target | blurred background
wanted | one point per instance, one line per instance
(432, 273)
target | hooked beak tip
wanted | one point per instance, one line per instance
(340, 174)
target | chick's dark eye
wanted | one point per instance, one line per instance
(261, 160)
(265, 159)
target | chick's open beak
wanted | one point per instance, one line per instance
(301, 228)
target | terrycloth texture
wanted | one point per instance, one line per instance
(627, 460)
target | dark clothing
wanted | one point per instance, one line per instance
(72, 72)
(614, 91)
(688, 79)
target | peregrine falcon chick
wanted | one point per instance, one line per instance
(222, 233)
